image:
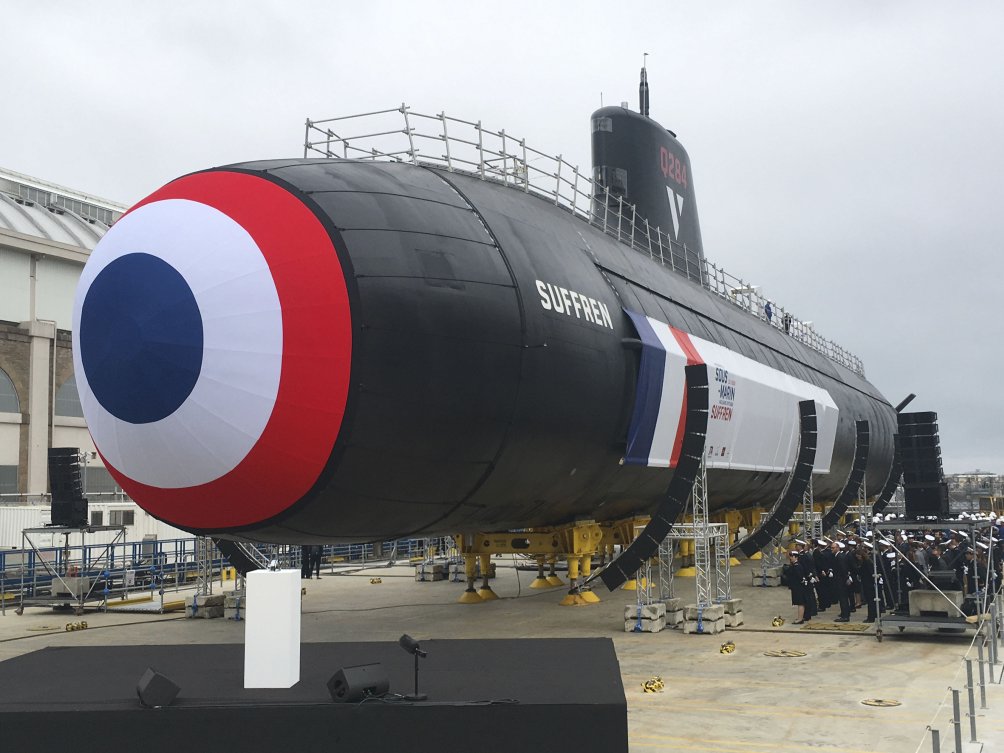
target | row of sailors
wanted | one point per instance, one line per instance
(845, 571)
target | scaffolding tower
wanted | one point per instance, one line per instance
(862, 509)
(204, 548)
(702, 533)
(713, 576)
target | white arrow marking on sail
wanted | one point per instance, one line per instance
(675, 209)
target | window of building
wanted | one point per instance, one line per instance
(8, 396)
(8, 479)
(68, 400)
(99, 481)
(97, 517)
(121, 517)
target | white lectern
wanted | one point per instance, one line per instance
(272, 629)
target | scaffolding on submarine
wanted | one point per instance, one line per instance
(467, 147)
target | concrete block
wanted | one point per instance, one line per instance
(714, 612)
(674, 605)
(674, 618)
(648, 611)
(235, 606)
(710, 627)
(645, 626)
(733, 606)
(734, 620)
(73, 586)
(207, 606)
(213, 600)
(929, 600)
(775, 572)
(430, 573)
(769, 581)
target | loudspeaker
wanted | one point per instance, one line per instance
(69, 513)
(353, 684)
(917, 442)
(919, 417)
(645, 545)
(926, 499)
(69, 505)
(155, 690)
(64, 473)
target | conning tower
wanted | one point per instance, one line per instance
(640, 163)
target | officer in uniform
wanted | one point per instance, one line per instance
(866, 572)
(841, 581)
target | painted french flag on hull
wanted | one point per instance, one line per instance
(752, 407)
(657, 420)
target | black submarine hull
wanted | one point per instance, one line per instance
(490, 387)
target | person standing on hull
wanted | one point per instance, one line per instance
(841, 582)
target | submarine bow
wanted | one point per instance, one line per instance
(326, 349)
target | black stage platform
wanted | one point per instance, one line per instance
(484, 696)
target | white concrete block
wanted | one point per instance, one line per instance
(272, 634)
(645, 626)
(648, 611)
(713, 612)
(432, 572)
(733, 606)
(929, 600)
(674, 618)
(709, 627)
(734, 620)
(74, 587)
(674, 605)
(204, 606)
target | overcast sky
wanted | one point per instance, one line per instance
(847, 156)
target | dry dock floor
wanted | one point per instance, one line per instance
(742, 701)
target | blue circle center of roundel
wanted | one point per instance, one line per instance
(141, 338)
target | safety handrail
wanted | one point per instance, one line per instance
(468, 147)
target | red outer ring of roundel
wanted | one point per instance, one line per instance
(298, 439)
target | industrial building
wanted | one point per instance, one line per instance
(46, 234)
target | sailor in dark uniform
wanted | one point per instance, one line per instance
(811, 579)
(793, 577)
(305, 551)
(841, 582)
(317, 551)
(824, 570)
(866, 572)
(935, 561)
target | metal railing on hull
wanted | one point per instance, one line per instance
(468, 147)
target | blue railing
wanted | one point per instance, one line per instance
(164, 563)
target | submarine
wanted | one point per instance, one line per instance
(455, 335)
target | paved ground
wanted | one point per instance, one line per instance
(743, 701)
